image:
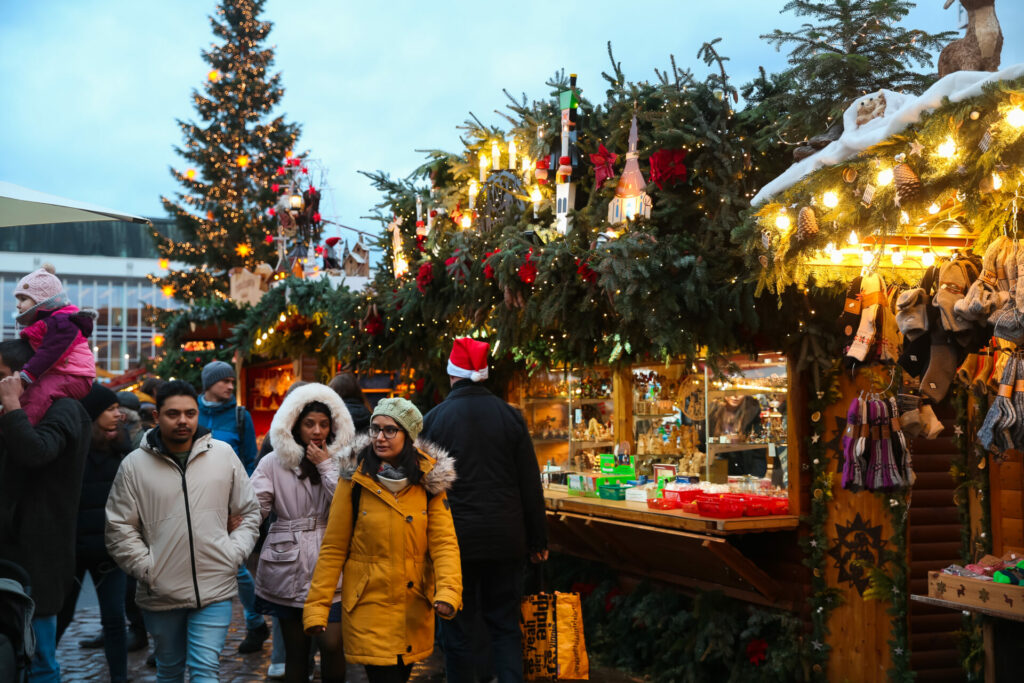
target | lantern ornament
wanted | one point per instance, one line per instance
(568, 159)
(630, 201)
(399, 262)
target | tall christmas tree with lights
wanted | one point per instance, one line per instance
(235, 151)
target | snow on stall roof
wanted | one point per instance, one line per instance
(900, 111)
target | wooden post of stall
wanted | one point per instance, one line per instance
(305, 368)
(622, 395)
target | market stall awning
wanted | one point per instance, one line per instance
(22, 206)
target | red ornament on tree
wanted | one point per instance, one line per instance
(269, 239)
(276, 187)
(585, 272)
(488, 268)
(424, 277)
(528, 269)
(271, 212)
(603, 161)
(667, 167)
(316, 217)
(421, 241)
(280, 170)
(757, 651)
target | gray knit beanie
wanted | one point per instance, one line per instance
(215, 371)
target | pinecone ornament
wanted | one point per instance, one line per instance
(806, 224)
(908, 185)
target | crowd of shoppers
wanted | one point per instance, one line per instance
(372, 523)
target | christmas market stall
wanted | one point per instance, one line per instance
(912, 458)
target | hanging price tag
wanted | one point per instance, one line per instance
(868, 196)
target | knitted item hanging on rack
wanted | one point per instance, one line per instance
(994, 433)
(899, 442)
(854, 443)
(882, 472)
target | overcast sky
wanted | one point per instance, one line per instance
(92, 88)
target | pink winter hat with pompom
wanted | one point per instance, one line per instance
(40, 285)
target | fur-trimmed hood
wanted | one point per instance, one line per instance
(286, 448)
(437, 466)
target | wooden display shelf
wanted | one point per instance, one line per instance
(987, 611)
(552, 399)
(714, 448)
(590, 401)
(675, 520)
(654, 416)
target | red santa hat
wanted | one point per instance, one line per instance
(469, 359)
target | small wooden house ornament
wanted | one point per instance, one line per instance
(631, 199)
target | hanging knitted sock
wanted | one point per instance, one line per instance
(1000, 358)
(965, 373)
(988, 434)
(1007, 420)
(932, 426)
(873, 478)
(984, 370)
(941, 366)
(853, 472)
(849, 437)
(1017, 430)
(891, 477)
(900, 442)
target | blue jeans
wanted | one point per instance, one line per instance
(247, 596)
(491, 593)
(45, 668)
(189, 636)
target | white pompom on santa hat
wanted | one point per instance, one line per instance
(468, 359)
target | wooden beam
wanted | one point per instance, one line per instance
(749, 571)
(614, 522)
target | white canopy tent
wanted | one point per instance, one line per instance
(22, 206)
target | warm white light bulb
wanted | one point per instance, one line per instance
(830, 199)
(947, 150)
(933, 208)
(467, 221)
(836, 256)
(884, 177)
(928, 258)
(782, 222)
(997, 181)
(1015, 117)
(897, 257)
(866, 257)
(904, 217)
(853, 239)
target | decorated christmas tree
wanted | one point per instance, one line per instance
(235, 150)
(846, 49)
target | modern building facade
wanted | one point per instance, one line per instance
(103, 266)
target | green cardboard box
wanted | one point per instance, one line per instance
(611, 464)
(589, 484)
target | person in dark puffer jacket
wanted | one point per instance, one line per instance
(109, 445)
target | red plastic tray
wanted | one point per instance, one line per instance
(683, 495)
(662, 504)
(721, 507)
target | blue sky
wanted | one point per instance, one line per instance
(93, 88)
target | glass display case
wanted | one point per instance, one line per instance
(570, 417)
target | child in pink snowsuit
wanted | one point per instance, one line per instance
(63, 364)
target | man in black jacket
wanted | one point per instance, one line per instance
(40, 483)
(498, 508)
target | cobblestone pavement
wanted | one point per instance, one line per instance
(90, 665)
(78, 665)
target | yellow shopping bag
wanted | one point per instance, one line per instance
(553, 647)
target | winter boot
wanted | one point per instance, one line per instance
(254, 639)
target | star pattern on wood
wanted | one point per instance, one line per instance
(984, 595)
(835, 444)
(857, 546)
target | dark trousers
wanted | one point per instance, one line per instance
(491, 594)
(110, 587)
(396, 673)
(131, 610)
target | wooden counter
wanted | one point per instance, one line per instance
(638, 513)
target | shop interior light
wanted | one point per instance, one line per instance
(928, 258)
(897, 257)
(853, 238)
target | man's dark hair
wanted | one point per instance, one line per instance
(347, 386)
(15, 353)
(178, 387)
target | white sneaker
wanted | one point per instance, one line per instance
(276, 671)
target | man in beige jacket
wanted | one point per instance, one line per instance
(167, 525)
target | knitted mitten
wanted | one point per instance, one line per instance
(932, 426)
(965, 373)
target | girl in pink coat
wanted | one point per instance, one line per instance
(63, 365)
(310, 434)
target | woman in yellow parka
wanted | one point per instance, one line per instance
(391, 538)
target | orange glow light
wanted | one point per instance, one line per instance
(242, 161)
(213, 76)
(243, 250)
(190, 174)
(167, 291)
(165, 264)
(158, 340)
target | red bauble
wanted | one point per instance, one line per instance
(305, 170)
(276, 187)
(373, 325)
(271, 212)
(757, 651)
(424, 277)
(280, 170)
(269, 239)
(316, 217)
(488, 268)
(585, 272)
(319, 251)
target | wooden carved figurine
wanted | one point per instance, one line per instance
(980, 48)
